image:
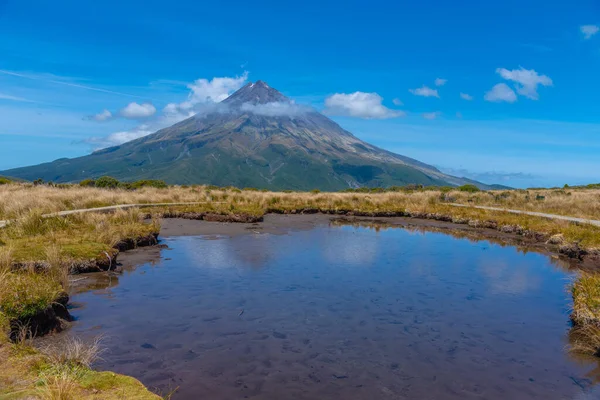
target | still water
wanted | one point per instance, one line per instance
(340, 312)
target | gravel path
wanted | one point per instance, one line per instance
(537, 214)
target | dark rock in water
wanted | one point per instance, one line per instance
(279, 335)
(147, 346)
(336, 376)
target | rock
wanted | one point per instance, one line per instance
(556, 239)
(572, 250)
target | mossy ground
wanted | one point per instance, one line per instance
(25, 373)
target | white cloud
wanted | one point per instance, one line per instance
(118, 138)
(137, 111)
(466, 96)
(425, 92)
(359, 104)
(204, 92)
(589, 30)
(203, 98)
(501, 92)
(275, 109)
(215, 90)
(103, 116)
(397, 102)
(432, 115)
(440, 82)
(527, 80)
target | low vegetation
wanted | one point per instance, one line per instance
(37, 256)
(585, 337)
(61, 374)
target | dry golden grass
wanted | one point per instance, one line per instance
(585, 336)
(586, 299)
(19, 200)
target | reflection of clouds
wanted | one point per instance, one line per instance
(503, 278)
(355, 247)
(224, 252)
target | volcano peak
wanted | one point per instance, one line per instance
(255, 93)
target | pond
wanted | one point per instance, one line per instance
(334, 311)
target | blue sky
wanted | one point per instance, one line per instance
(528, 72)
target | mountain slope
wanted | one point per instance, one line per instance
(255, 138)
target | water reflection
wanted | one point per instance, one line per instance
(351, 312)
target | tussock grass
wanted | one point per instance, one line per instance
(27, 373)
(585, 337)
(75, 352)
(59, 384)
(25, 294)
(586, 299)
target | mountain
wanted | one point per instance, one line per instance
(257, 137)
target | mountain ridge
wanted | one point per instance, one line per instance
(257, 137)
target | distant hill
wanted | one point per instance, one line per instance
(255, 138)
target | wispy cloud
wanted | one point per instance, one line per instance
(397, 102)
(501, 93)
(4, 96)
(432, 115)
(425, 91)
(589, 30)
(440, 82)
(466, 96)
(276, 109)
(526, 80)
(360, 105)
(489, 176)
(44, 78)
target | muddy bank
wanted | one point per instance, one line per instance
(50, 320)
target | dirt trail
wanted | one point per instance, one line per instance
(537, 214)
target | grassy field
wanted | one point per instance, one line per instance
(38, 254)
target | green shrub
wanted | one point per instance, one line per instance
(4, 181)
(87, 183)
(155, 183)
(107, 182)
(468, 188)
